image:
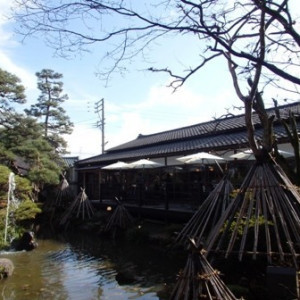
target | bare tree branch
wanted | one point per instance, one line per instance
(223, 28)
(259, 39)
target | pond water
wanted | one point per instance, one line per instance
(85, 267)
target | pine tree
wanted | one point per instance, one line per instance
(22, 138)
(11, 92)
(55, 120)
(25, 140)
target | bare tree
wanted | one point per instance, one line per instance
(259, 40)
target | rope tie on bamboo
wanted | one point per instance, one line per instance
(207, 276)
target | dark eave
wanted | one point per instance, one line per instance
(217, 135)
(215, 127)
(216, 142)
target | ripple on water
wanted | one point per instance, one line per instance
(59, 271)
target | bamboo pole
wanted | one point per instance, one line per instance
(267, 205)
(208, 214)
(198, 280)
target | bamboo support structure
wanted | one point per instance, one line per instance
(208, 214)
(81, 207)
(63, 190)
(263, 218)
(63, 195)
(198, 280)
(120, 218)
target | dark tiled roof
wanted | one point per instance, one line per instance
(70, 161)
(218, 134)
(219, 126)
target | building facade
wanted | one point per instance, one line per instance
(223, 137)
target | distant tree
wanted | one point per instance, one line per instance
(55, 120)
(11, 92)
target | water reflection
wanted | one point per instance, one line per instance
(85, 267)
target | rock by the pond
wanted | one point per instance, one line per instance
(26, 242)
(6, 267)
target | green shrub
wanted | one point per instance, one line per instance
(4, 176)
(23, 186)
(24, 214)
(23, 190)
(27, 210)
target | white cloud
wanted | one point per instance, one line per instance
(130, 125)
(163, 110)
(7, 45)
(27, 78)
(84, 141)
(164, 96)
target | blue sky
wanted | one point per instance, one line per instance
(137, 103)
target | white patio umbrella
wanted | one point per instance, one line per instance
(117, 166)
(144, 164)
(248, 154)
(200, 157)
(286, 153)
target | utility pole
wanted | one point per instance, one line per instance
(99, 109)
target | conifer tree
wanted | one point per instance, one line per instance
(48, 108)
(24, 139)
(11, 92)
